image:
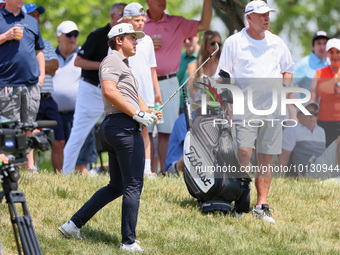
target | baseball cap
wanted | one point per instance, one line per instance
(320, 34)
(124, 28)
(316, 106)
(132, 10)
(333, 43)
(257, 7)
(66, 27)
(31, 7)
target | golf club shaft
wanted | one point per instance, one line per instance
(167, 101)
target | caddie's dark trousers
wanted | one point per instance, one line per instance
(121, 137)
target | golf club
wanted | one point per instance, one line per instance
(167, 101)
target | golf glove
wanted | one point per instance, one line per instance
(145, 118)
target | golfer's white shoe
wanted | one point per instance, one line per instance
(69, 229)
(131, 247)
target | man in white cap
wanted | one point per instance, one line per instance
(66, 83)
(125, 110)
(143, 66)
(260, 61)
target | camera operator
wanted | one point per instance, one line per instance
(3, 159)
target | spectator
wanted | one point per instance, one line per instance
(143, 67)
(208, 46)
(89, 107)
(304, 69)
(168, 33)
(174, 156)
(188, 61)
(326, 90)
(253, 53)
(305, 145)
(2, 3)
(66, 82)
(125, 110)
(48, 109)
(22, 66)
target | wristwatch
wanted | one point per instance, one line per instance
(141, 114)
(285, 85)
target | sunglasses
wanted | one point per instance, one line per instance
(214, 43)
(315, 113)
(75, 34)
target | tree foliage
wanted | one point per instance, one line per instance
(90, 15)
(298, 18)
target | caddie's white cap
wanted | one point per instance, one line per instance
(124, 28)
(333, 43)
(66, 27)
(132, 10)
(257, 7)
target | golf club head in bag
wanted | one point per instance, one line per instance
(211, 170)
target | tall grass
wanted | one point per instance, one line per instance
(170, 221)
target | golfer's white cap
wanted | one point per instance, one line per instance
(257, 7)
(124, 28)
(66, 27)
(333, 43)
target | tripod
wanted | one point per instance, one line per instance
(28, 243)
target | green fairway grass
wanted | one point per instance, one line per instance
(170, 221)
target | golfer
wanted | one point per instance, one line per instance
(125, 111)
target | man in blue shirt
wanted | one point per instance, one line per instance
(22, 65)
(304, 69)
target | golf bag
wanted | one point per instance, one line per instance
(211, 170)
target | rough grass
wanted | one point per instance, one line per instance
(170, 222)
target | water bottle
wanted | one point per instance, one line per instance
(160, 121)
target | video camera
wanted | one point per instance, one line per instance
(13, 140)
(14, 144)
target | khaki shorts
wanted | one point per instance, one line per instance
(20, 103)
(171, 110)
(267, 134)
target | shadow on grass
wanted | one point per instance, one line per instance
(99, 236)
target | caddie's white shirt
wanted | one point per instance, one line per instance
(141, 64)
(256, 64)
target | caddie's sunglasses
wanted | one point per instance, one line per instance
(75, 34)
(214, 43)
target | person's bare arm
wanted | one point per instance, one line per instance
(314, 91)
(204, 23)
(158, 95)
(41, 63)
(51, 66)
(86, 64)
(191, 86)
